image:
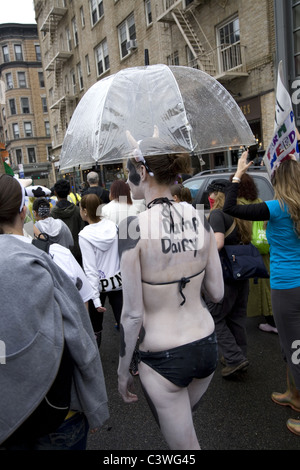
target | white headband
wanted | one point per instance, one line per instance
(139, 157)
(23, 195)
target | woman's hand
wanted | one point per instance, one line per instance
(125, 384)
(243, 165)
(101, 309)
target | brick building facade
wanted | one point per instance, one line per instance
(83, 41)
(24, 113)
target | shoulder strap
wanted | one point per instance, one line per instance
(42, 242)
(230, 230)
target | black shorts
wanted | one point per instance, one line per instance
(182, 364)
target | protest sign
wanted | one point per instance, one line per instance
(285, 138)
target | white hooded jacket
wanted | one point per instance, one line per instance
(100, 256)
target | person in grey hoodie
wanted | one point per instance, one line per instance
(98, 242)
(56, 229)
(52, 383)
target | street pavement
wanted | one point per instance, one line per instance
(236, 414)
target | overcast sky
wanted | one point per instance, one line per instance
(17, 11)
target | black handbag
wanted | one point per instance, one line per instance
(240, 262)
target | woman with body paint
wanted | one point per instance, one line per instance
(168, 256)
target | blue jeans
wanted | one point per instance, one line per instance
(71, 435)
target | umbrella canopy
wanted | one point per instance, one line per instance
(191, 110)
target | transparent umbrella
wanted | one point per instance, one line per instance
(191, 111)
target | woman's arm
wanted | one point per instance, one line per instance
(213, 283)
(247, 212)
(91, 271)
(132, 312)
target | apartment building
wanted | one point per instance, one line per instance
(25, 125)
(83, 41)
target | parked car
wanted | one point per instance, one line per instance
(198, 184)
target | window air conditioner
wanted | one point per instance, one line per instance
(132, 44)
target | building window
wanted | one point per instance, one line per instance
(229, 47)
(18, 52)
(19, 156)
(80, 77)
(69, 39)
(47, 128)
(173, 59)
(75, 32)
(5, 53)
(190, 58)
(31, 154)
(22, 79)
(296, 37)
(102, 58)
(66, 86)
(25, 105)
(148, 12)
(87, 65)
(82, 17)
(97, 10)
(16, 131)
(9, 81)
(44, 104)
(73, 81)
(41, 79)
(12, 106)
(126, 32)
(38, 53)
(28, 129)
(49, 151)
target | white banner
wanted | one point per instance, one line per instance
(284, 141)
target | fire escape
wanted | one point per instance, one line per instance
(57, 55)
(223, 63)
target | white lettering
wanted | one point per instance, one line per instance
(2, 353)
(296, 354)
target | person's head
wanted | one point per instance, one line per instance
(162, 168)
(216, 193)
(247, 188)
(41, 208)
(218, 189)
(92, 178)
(120, 188)
(62, 188)
(286, 183)
(180, 193)
(89, 208)
(12, 202)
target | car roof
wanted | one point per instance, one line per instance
(197, 184)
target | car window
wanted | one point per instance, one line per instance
(194, 185)
(265, 189)
(199, 194)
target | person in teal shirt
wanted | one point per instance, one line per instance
(283, 234)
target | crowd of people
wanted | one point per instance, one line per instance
(96, 246)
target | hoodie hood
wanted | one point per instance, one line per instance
(65, 212)
(101, 235)
(50, 226)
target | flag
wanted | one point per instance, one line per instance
(5, 168)
(285, 139)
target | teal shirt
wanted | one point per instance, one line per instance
(284, 248)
